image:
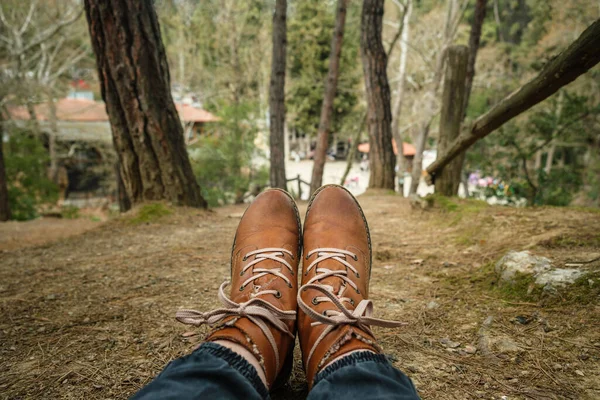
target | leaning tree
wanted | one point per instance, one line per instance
(329, 96)
(135, 85)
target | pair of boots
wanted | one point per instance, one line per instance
(265, 308)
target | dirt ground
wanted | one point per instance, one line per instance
(91, 316)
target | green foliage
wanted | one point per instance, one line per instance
(510, 154)
(150, 213)
(225, 160)
(70, 212)
(26, 161)
(310, 30)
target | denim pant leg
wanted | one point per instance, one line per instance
(210, 372)
(364, 376)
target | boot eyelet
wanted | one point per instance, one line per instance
(242, 273)
(278, 295)
(351, 301)
(304, 289)
(314, 301)
(357, 275)
(357, 291)
(242, 288)
(245, 258)
(324, 313)
(355, 257)
(290, 285)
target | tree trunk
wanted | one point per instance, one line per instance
(124, 202)
(4, 205)
(550, 159)
(277, 97)
(53, 170)
(135, 85)
(330, 89)
(396, 133)
(374, 60)
(353, 150)
(576, 60)
(474, 41)
(450, 27)
(33, 119)
(451, 117)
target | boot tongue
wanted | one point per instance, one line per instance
(333, 281)
(263, 281)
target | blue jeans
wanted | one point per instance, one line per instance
(215, 372)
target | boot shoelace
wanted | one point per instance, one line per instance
(359, 317)
(257, 310)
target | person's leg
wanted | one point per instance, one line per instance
(210, 372)
(365, 376)
(339, 350)
(250, 351)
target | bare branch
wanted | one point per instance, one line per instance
(3, 19)
(51, 31)
(27, 21)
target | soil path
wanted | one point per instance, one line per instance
(91, 316)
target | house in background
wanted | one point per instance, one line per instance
(408, 150)
(85, 152)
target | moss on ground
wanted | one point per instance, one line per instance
(151, 212)
(570, 241)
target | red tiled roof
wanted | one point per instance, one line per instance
(81, 110)
(192, 114)
(407, 148)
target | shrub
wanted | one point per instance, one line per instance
(225, 159)
(26, 162)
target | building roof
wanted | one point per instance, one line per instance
(82, 110)
(407, 149)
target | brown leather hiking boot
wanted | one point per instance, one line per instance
(260, 312)
(335, 314)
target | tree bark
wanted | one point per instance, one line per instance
(453, 16)
(576, 60)
(396, 133)
(353, 150)
(451, 117)
(374, 60)
(550, 159)
(330, 89)
(52, 171)
(4, 205)
(474, 41)
(124, 202)
(277, 97)
(135, 85)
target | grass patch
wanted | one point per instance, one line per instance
(69, 212)
(456, 207)
(571, 241)
(151, 212)
(586, 289)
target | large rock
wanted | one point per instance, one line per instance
(558, 277)
(521, 262)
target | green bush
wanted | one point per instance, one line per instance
(26, 162)
(226, 161)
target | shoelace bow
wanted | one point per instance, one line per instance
(359, 317)
(257, 310)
